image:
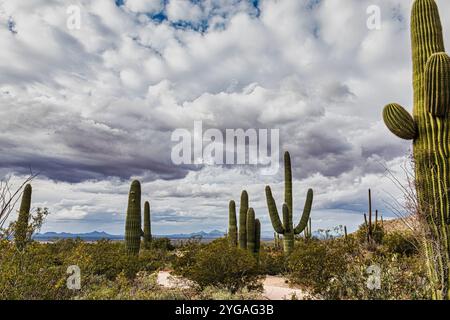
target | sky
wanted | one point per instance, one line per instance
(92, 108)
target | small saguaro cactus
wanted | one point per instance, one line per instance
(286, 228)
(429, 129)
(147, 226)
(253, 232)
(232, 224)
(21, 229)
(250, 229)
(133, 231)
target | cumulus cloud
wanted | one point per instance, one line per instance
(92, 108)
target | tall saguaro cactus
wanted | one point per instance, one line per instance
(243, 220)
(232, 224)
(286, 228)
(147, 225)
(20, 234)
(133, 231)
(428, 127)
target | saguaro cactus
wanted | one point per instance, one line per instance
(243, 220)
(286, 228)
(147, 225)
(232, 224)
(133, 231)
(429, 130)
(250, 230)
(253, 232)
(21, 230)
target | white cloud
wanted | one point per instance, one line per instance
(149, 6)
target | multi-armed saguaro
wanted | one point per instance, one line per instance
(286, 228)
(249, 228)
(133, 231)
(429, 129)
(21, 230)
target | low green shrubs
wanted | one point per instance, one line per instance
(219, 264)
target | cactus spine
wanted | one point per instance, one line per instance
(147, 226)
(429, 129)
(232, 224)
(21, 230)
(133, 231)
(286, 228)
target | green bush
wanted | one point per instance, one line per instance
(272, 261)
(314, 264)
(221, 265)
(403, 243)
(377, 234)
(162, 244)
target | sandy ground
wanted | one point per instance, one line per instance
(275, 288)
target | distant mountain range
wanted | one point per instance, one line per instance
(96, 235)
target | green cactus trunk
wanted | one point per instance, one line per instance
(257, 237)
(133, 231)
(243, 220)
(232, 224)
(147, 226)
(251, 230)
(429, 130)
(21, 229)
(286, 228)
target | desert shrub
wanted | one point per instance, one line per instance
(377, 234)
(30, 274)
(221, 265)
(400, 278)
(143, 287)
(314, 263)
(272, 261)
(404, 243)
(162, 244)
(39, 272)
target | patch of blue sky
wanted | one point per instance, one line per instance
(199, 26)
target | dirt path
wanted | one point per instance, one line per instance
(275, 287)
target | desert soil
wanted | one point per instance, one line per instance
(275, 288)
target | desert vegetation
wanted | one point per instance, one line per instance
(330, 265)
(377, 261)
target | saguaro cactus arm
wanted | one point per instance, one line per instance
(273, 212)
(306, 213)
(437, 84)
(399, 121)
